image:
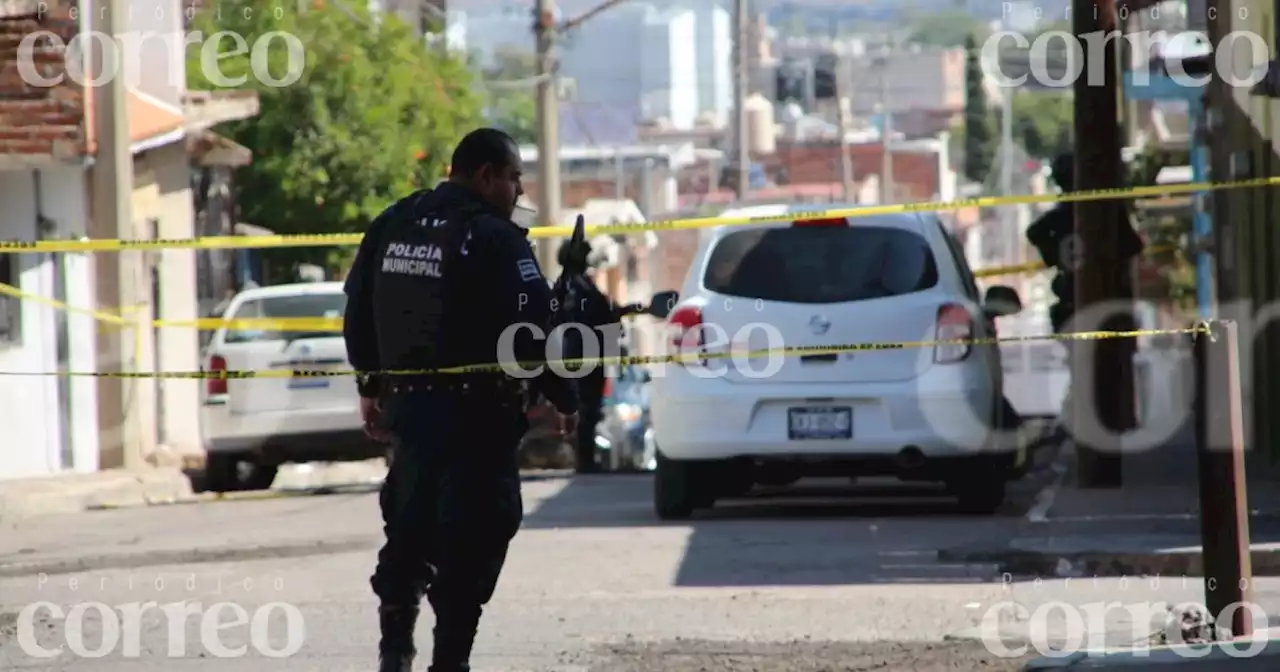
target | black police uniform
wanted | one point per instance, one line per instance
(594, 310)
(438, 278)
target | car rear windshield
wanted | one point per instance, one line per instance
(328, 305)
(821, 264)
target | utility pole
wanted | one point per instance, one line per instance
(1008, 213)
(742, 19)
(1107, 364)
(119, 411)
(619, 175)
(844, 105)
(886, 132)
(548, 114)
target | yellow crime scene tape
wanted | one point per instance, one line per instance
(9, 290)
(335, 324)
(322, 240)
(1202, 328)
(317, 324)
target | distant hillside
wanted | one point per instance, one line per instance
(824, 12)
(820, 13)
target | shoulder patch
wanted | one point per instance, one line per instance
(528, 270)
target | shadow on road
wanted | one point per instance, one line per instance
(827, 533)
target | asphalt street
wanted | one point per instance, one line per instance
(820, 582)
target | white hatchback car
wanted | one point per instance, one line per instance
(918, 413)
(252, 426)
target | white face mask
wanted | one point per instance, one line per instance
(524, 217)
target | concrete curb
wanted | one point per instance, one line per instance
(163, 557)
(1023, 562)
(121, 489)
(75, 493)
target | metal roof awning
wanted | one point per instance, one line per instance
(202, 110)
(210, 149)
(243, 229)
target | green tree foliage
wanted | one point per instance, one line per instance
(1167, 235)
(1043, 122)
(373, 116)
(1042, 125)
(950, 28)
(979, 136)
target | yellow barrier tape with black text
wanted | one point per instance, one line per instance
(658, 359)
(9, 290)
(320, 240)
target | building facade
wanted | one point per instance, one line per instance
(61, 312)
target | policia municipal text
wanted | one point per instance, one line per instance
(435, 282)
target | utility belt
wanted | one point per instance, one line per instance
(497, 387)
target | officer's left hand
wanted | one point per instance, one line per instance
(371, 413)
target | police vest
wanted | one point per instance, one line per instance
(413, 286)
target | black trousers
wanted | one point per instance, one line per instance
(450, 506)
(591, 399)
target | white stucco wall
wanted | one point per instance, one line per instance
(30, 406)
(163, 192)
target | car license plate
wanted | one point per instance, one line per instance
(308, 383)
(820, 423)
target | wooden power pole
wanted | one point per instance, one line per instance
(116, 273)
(548, 117)
(742, 66)
(1107, 364)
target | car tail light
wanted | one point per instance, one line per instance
(215, 386)
(684, 321)
(830, 221)
(954, 324)
(608, 387)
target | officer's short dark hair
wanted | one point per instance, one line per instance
(481, 147)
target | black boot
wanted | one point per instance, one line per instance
(396, 649)
(391, 662)
(452, 651)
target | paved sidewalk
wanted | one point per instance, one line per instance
(71, 493)
(21, 499)
(1150, 526)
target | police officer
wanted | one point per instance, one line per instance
(439, 278)
(594, 310)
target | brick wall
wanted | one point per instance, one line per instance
(915, 173)
(37, 121)
(674, 256)
(574, 192)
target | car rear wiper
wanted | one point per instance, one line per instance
(299, 335)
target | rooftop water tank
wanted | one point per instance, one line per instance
(761, 135)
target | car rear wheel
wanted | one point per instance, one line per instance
(677, 488)
(260, 476)
(229, 472)
(981, 489)
(981, 499)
